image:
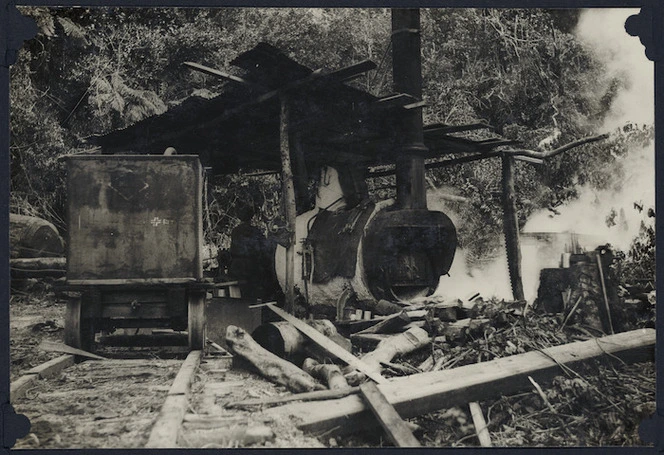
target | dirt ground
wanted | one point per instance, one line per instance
(596, 406)
(114, 403)
(35, 315)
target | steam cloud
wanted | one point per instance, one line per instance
(609, 216)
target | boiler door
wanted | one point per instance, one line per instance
(406, 251)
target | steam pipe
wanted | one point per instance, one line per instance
(407, 75)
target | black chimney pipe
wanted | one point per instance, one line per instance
(407, 75)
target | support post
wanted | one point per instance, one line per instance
(301, 176)
(288, 199)
(511, 228)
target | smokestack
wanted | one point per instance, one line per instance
(407, 75)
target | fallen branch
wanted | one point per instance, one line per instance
(317, 395)
(329, 373)
(540, 392)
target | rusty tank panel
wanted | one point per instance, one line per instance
(134, 217)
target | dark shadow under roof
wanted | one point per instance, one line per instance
(330, 120)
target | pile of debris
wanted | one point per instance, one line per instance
(419, 360)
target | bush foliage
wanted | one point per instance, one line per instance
(90, 71)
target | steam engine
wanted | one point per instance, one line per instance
(374, 250)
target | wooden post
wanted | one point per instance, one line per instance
(288, 199)
(511, 228)
(301, 177)
(607, 307)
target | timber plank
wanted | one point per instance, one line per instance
(165, 431)
(426, 392)
(182, 381)
(387, 416)
(19, 387)
(52, 367)
(329, 345)
(481, 428)
(53, 346)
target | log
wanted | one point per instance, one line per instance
(327, 344)
(267, 364)
(369, 341)
(329, 373)
(286, 341)
(403, 343)
(427, 392)
(390, 324)
(382, 307)
(32, 237)
(37, 267)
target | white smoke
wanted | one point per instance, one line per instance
(463, 279)
(609, 216)
(604, 31)
(613, 215)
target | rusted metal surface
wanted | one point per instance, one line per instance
(134, 217)
(406, 252)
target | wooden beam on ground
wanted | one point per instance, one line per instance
(480, 424)
(49, 369)
(427, 392)
(52, 367)
(395, 428)
(329, 345)
(166, 429)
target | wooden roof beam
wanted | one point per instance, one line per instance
(438, 128)
(351, 72)
(220, 74)
(398, 100)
